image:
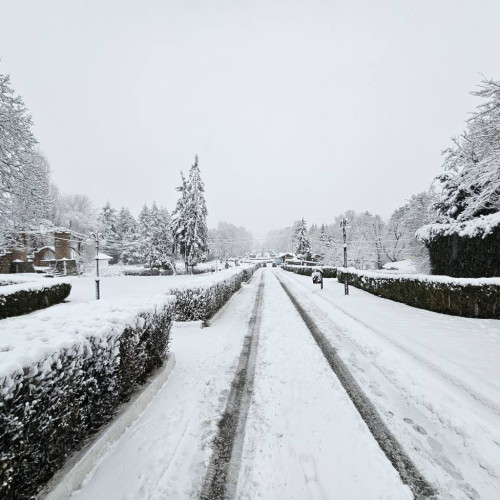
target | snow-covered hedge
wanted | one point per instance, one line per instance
(474, 298)
(328, 271)
(464, 249)
(21, 296)
(202, 302)
(63, 373)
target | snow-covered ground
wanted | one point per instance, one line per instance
(304, 438)
(164, 454)
(435, 380)
(83, 288)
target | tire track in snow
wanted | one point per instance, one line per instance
(406, 469)
(222, 473)
(486, 402)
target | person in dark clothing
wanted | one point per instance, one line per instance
(317, 277)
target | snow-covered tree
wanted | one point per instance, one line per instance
(128, 237)
(32, 203)
(18, 175)
(189, 221)
(229, 241)
(471, 178)
(301, 238)
(74, 211)
(156, 241)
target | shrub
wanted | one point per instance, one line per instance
(94, 356)
(328, 271)
(201, 303)
(141, 272)
(474, 298)
(464, 249)
(22, 298)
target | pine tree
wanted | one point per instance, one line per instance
(128, 237)
(108, 220)
(189, 225)
(323, 241)
(156, 240)
(178, 224)
(303, 246)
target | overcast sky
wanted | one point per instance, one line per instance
(296, 108)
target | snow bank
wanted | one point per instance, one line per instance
(64, 371)
(468, 297)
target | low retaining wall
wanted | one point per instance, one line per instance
(328, 271)
(472, 298)
(23, 297)
(60, 387)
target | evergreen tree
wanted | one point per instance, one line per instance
(128, 236)
(189, 223)
(323, 241)
(303, 246)
(178, 224)
(108, 220)
(156, 240)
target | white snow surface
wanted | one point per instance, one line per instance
(424, 278)
(481, 226)
(35, 337)
(83, 288)
(434, 378)
(304, 438)
(24, 283)
(402, 266)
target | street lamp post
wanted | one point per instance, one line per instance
(97, 238)
(345, 224)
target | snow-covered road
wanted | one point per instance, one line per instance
(435, 380)
(304, 437)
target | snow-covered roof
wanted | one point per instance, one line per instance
(48, 247)
(480, 227)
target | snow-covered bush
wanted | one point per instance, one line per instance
(328, 272)
(18, 298)
(64, 372)
(201, 303)
(474, 298)
(464, 249)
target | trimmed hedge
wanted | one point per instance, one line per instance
(201, 303)
(328, 271)
(141, 272)
(23, 298)
(464, 257)
(467, 249)
(459, 297)
(50, 408)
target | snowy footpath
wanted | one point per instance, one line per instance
(435, 380)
